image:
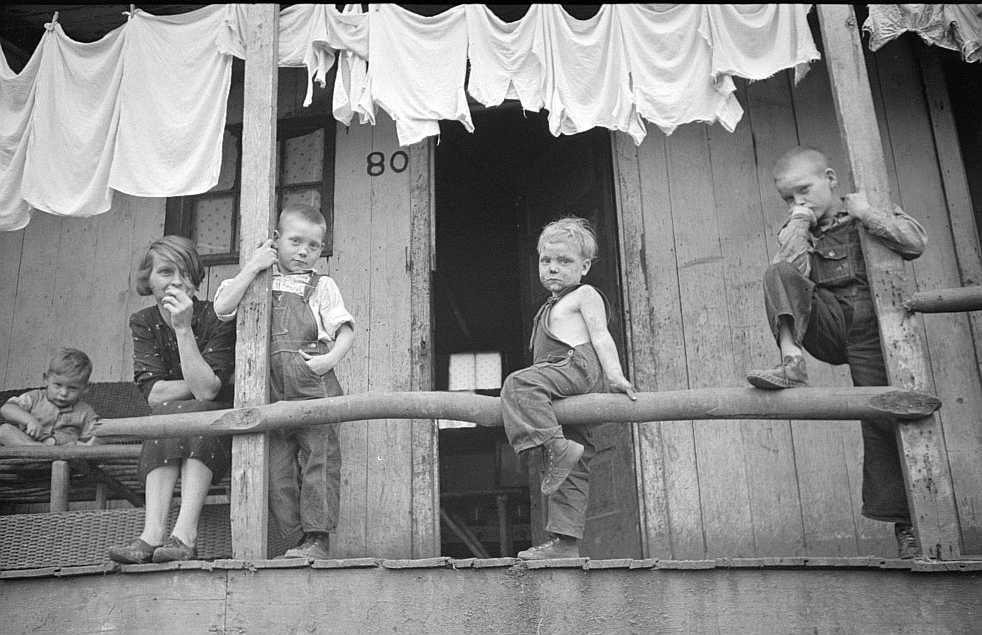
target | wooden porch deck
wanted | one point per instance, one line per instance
(500, 595)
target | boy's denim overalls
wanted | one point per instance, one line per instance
(557, 371)
(304, 463)
(835, 320)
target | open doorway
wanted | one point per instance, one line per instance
(495, 190)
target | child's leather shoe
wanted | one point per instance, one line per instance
(908, 546)
(561, 456)
(315, 546)
(555, 547)
(174, 549)
(790, 373)
(137, 552)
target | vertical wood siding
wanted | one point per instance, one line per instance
(371, 263)
(705, 215)
(69, 282)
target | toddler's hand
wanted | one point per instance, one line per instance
(621, 384)
(857, 205)
(263, 258)
(319, 364)
(34, 429)
(49, 441)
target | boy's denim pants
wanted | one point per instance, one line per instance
(304, 463)
(526, 400)
(839, 326)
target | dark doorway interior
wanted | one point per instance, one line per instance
(495, 189)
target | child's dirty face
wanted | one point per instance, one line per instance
(166, 277)
(298, 244)
(808, 184)
(64, 390)
(561, 265)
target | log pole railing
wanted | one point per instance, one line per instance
(871, 402)
(946, 300)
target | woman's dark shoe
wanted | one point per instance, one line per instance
(174, 549)
(137, 552)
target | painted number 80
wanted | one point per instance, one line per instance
(375, 162)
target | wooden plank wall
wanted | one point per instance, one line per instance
(703, 216)
(69, 282)
(371, 263)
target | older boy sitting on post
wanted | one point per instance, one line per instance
(311, 332)
(817, 298)
(572, 354)
(55, 414)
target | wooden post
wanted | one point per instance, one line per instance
(59, 486)
(925, 463)
(257, 216)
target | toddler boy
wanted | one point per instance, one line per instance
(817, 298)
(311, 331)
(55, 414)
(572, 354)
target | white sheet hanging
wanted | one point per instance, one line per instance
(757, 40)
(502, 63)
(586, 82)
(172, 104)
(671, 67)
(416, 69)
(351, 92)
(17, 91)
(74, 124)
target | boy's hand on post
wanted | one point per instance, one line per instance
(263, 258)
(621, 384)
(857, 206)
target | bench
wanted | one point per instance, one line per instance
(57, 474)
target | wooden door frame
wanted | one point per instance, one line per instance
(420, 261)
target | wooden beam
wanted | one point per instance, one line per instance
(824, 404)
(425, 453)
(65, 452)
(257, 217)
(60, 477)
(946, 300)
(929, 488)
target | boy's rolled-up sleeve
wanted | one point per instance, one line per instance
(332, 310)
(225, 317)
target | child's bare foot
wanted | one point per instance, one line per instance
(790, 373)
(556, 547)
(561, 456)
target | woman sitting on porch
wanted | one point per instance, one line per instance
(183, 360)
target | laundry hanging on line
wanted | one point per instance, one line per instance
(157, 86)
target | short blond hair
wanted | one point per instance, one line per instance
(806, 154)
(70, 362)
(574, 229)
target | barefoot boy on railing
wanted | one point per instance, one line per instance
(572, 354)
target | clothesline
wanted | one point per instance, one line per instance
(142, 110)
